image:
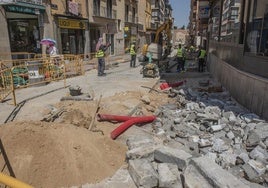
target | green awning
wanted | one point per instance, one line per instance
(26, 8)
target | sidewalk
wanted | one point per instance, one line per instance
(130, 80)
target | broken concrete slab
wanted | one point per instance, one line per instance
(215, 175)
(169, 176)
(137, 141)
(144, 151)
(143, 173)
(170, 155)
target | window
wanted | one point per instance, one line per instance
(96, 9)
(257, 30)
(215, 21)
(230, 21)
(109, 8)
(126, 12)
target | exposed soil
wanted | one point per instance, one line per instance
(65, 153)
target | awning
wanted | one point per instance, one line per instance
(26, 8)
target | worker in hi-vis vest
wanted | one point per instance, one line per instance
(180, 58)
(133, 55)
(201, 59)
(100, 54)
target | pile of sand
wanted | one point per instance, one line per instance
(59, 155)
(65, 153)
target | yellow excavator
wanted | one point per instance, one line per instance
(154, 51)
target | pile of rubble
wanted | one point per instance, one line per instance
(205, 140)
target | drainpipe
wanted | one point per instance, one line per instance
(12, 182)
(124, 126)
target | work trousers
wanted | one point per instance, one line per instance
(201, 62)
(181, 62)
(133, 61)
(101, 66)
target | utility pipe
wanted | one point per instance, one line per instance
(112, 118)
(124, 126)
(12, 182)
(166, 85)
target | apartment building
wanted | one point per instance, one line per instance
(198, 27)
(76, 25)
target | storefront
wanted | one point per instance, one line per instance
(72, 33)
(24, 21)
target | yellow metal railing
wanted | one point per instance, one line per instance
(37, 71)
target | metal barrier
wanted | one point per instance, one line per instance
(16, 55)
(6, 86)
(16, 74)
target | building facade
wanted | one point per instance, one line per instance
(238, 57)
(77, 25)
(22, 25)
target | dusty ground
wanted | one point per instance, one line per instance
(64, 153)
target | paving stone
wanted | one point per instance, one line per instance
(259, 153)
(230, 135)
(244, 157)
(193, 178)
(253, 139)
(144, 151)
(170, 155)
(143, 173)
(215, 174)
(262, 130)
(219, 145)
(137, 141)
(257, 166)
(251, 174)
(169, 176)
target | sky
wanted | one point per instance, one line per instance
(181, 12)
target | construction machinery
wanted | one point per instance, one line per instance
(155, 49)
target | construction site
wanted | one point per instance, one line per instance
(151, 125)
(128, 129)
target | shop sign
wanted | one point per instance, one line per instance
(126, 28)
(71, 24)
(20, 9)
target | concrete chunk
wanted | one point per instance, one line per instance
(137, 141)
(143, 173)
(215, 175)
(170, 155)
(193, 179)
(169, 176)
(146, 151)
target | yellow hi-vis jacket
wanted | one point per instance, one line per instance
(202, 54)
(132, 50)
(180, 52)
(100, 54)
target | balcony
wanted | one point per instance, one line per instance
(102, 12)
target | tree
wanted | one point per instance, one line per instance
(183, 27)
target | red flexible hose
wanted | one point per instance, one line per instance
(124, 126)
(108, 117)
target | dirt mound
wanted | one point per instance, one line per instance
(65, 153)
(59, 155)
